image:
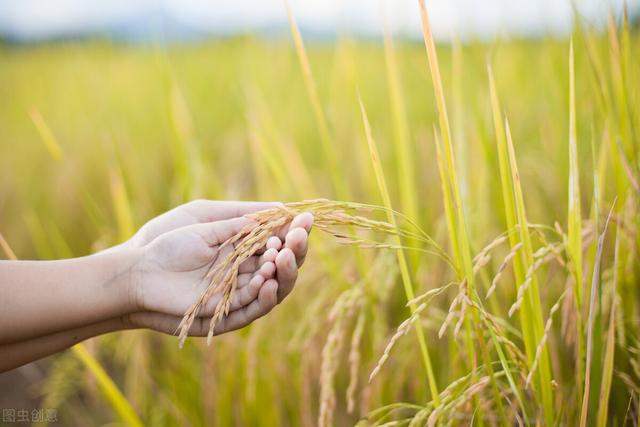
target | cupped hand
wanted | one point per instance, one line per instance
(195, 212)
(174, 265)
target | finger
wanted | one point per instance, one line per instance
(267, 299)
(246, 290)
(297, 241)
(215, 210)
(252, 263)
(217, 232)
(268, 270)
(244, 279)
(168, 324)
(274, 242)
(287, 273)
(303, 220)
(247, 294)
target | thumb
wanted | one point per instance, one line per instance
(217, 232)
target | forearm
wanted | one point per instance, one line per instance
(44, 297)
(23, 352)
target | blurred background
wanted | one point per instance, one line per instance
(112, 112)
(158, 21)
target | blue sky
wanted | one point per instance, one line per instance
(43, 19)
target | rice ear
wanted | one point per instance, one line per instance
(328, 217)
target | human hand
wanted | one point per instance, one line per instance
(172, 270)
(194, 212)
(147, 282)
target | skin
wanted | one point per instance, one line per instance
(147, 282)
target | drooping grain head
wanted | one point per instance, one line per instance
(337, 219)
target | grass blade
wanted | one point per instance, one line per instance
(574, 232)
(458, 234)
(574, 219)
(595, 284)
(121, 206)
(46, 135)
(607, 371)
(182, 127)
(402, 261)
(110, 390)
(405, 163)
(316, 105)
(456, 219)
(532, 314)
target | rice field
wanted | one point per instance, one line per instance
(495, 280)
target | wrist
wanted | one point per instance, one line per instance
(126, 261)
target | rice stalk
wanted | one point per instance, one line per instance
(574, 214)
(429, 295)
(330, 359)
(380, 413)
(595, 282)
(404, 268)
(446, 160)
(533, 327)
(545, 337)
(185, 147)
(510, 189)
(626, 166)
(293, 173)
(574, 233)
(403, 146)
(450, 315)
(420, 417)
(329, 217)
(318, 112)
(108, 387)
(461, 318)
(354, 360)
(524, 287)
(507, 259)
(400, 331)
(618, 76)
(121, 205)
(268, 156)
(467, 394)
(456, 219)
(274, 147)
(482, 262)
(607, 371)
(492, 245)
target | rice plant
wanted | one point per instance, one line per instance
(476, 207)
